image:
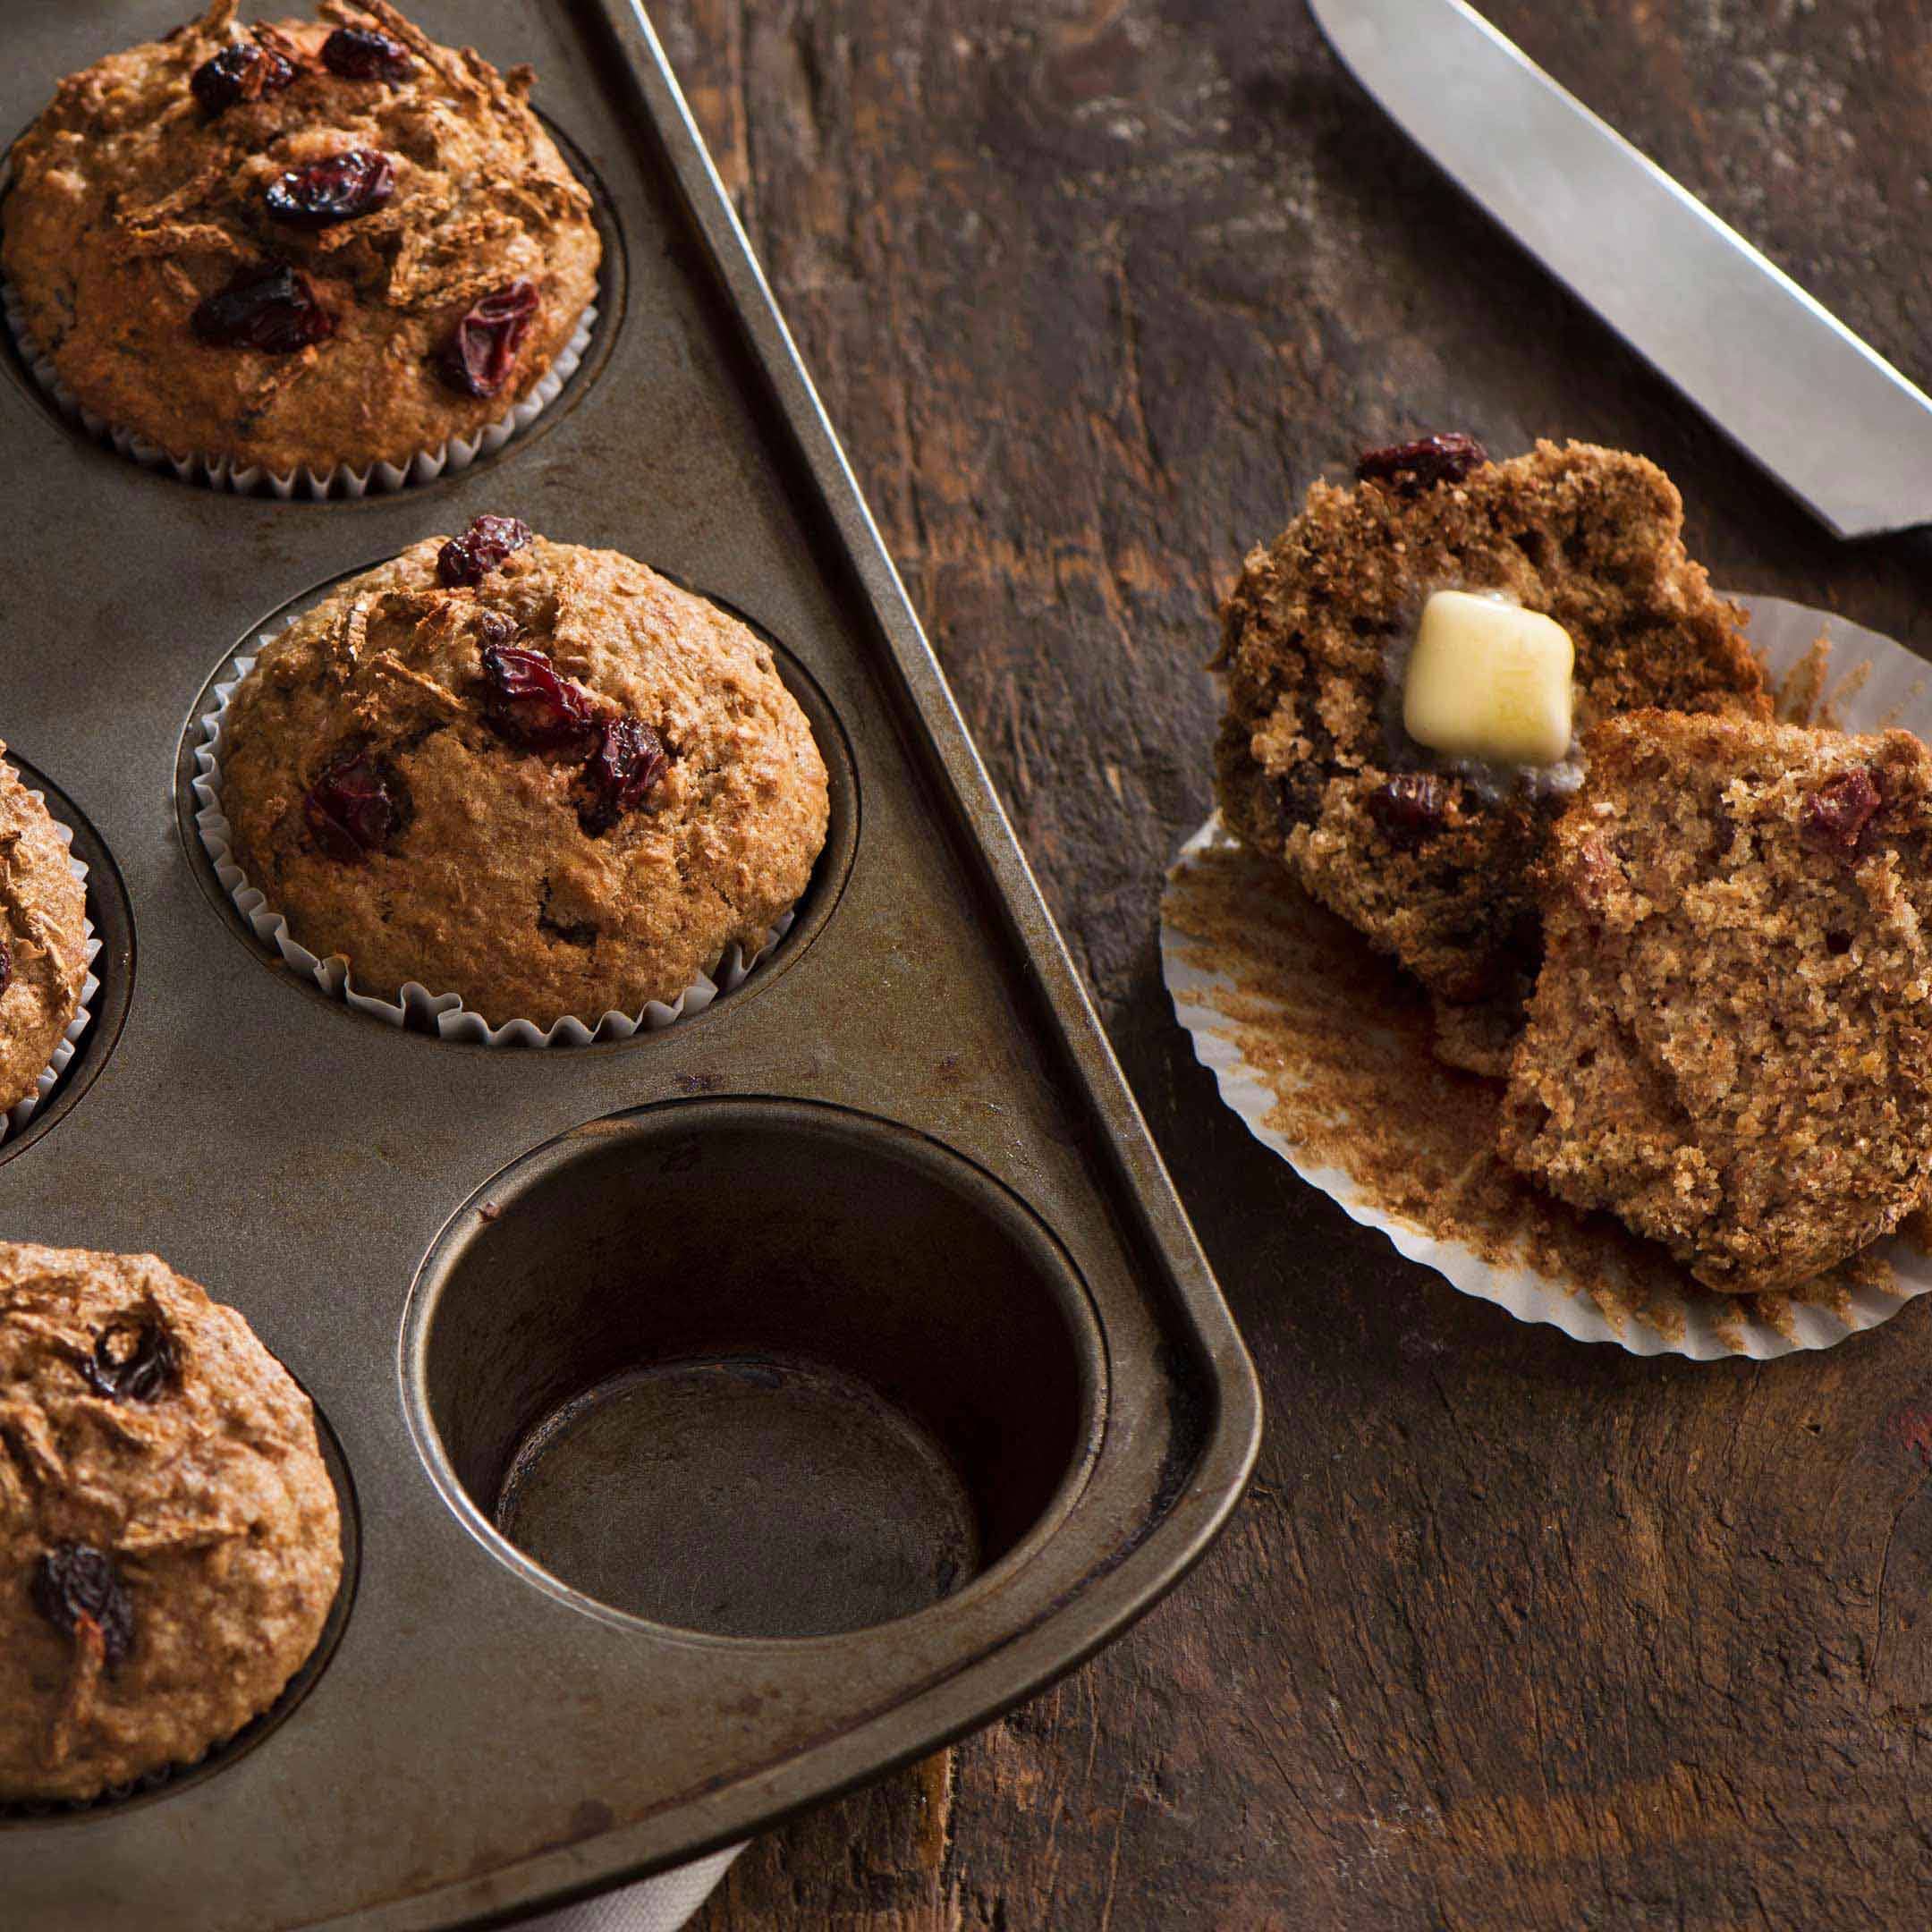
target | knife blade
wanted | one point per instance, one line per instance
(1829, 418)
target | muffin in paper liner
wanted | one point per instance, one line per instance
(222, 1752)
(444, 1012)
(16, 1117)
(1324, 1050)
(219, 472)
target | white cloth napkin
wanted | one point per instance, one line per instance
(660, 1904)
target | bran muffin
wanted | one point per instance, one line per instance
(42, 938)
(170, 1541)
(300, 245)
(1430, 858)
(1730, 1044)
(538, 775)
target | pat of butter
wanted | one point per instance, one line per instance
(1489, 680)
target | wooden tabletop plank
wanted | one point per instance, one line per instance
(1511, 1631)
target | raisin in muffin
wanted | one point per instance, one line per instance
(1731, 1040)
(42, 938)
(169, 1543)
(1428, 857)
(300, 245)
(538, 775)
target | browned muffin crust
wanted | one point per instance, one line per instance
(498, 874)
(1731, 1040)
(132, 204)
(1312, 760)
(42, 938)
(169, 1543)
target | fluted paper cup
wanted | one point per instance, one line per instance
(1322, 1050)
(223, 474)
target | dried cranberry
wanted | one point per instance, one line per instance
(76, 1588)
(482, 353)
(629, 760)
(532, 706)
(1833, 818)
(1410, 468)
(243, 72)
(335, 190)
(469, 558)
(6, 966)
(133, 1360)
(275, 310)
(362, 54)
(355, 807)
(1410, 807)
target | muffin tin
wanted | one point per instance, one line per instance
(838, 1361)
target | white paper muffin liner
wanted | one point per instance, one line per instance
(442, 1011)
(23, 1111)
(1874, 685)
(222, 473)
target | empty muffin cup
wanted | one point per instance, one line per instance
(756, 1368)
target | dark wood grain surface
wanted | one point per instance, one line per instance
(1511, 1631)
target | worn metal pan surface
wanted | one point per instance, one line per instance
(723, 1416)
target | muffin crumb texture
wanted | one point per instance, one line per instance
(42, 938)
(170, 1541)
(299, 244)
(540, 776)
(1730, 1044)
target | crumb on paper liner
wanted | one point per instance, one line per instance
(14, 1118)
(441, 1012)
(448, 458)
(1324, 1050)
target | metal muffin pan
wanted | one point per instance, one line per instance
(839, 1362)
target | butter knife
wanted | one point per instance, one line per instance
(1830, 420)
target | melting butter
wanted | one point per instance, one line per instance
(1490, 681)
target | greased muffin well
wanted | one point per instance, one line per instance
(42, 938)
(540, 776)
(1731, 1041)
(1429, 859)
(308, 244)
(170, 1541)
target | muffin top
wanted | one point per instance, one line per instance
(169, 1543)
(538, 775)
(1430, 857)
(300, 245)
(1731, 1040)
(42, 938)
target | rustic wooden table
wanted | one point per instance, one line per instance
(1511, 1631)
